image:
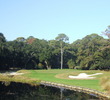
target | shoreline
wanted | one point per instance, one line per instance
(77, 88)
(96, 93)
(11, 78)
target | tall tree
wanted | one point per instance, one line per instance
(2, 38)
(62, 38)
(21, 39)
(30, 39)
(107, 32)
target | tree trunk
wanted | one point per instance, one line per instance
(61, 56)
(46, 64)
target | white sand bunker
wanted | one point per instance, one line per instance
(84, 76)
(16, 73)
(12, 73)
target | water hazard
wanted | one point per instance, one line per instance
(19, 91)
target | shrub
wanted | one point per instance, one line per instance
(105, 83)
(71, 64)
(40, 66)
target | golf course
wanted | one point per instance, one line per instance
(99, 82)
(61, 76)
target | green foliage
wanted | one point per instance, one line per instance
(40, 66)
(91, 52)
(107, 32)
(71, 64)
(2, 38)
(21, 39)
(62, 37)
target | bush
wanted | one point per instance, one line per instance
(105, 83)
(77, 67)
(40, 66)
(71, 64)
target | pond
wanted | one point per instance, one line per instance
(19, 91)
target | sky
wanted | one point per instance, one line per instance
(45, 19)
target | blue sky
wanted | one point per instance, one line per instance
(45, 19)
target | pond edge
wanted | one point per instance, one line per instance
(77, 88)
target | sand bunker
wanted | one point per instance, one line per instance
(12, 73)
(84, 76)
(16, 73)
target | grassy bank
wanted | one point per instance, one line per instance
(59, 76)
(6, 78)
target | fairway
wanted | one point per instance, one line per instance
(61, 76)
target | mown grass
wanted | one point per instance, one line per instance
(61, 76)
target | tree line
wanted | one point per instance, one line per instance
(89, 53)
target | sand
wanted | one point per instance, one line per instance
(84, 76)
(12, 73)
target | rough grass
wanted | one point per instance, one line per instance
(19, 78)
(105, 82)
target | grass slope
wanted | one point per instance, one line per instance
(61, 76)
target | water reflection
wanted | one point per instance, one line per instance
(19, 91)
